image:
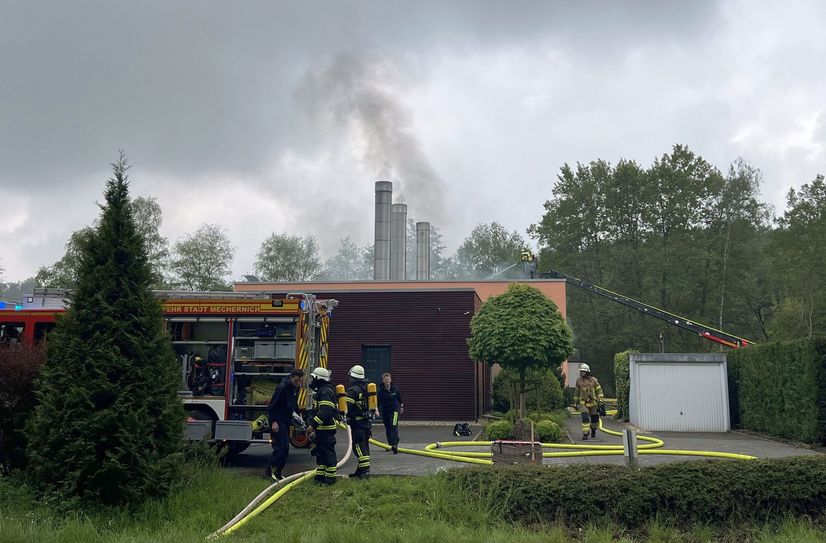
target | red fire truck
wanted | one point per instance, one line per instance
(233, 349)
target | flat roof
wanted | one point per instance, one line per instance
(484, 288)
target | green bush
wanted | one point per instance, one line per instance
(714, 492)
(622, 377)
(539, 416)
(547, 396)
(549, 431)
(780, 388)
(501, 429)
(18, 368)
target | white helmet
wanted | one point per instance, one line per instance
(321, 373)
(357, 372)
(585, 367)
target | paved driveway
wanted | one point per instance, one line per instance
(732, 442)
(253, 460)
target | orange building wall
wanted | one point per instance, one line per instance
(552, 288)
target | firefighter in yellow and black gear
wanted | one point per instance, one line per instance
(358, 418)
(323, 426)
(587, 397)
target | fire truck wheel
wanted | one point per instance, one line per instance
(299, 440)
(236, 447)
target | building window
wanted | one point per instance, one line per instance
(376, 361)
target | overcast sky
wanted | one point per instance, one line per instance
(267, 117)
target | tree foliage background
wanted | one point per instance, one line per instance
(286, 257)
(202, 260)
(684, 236)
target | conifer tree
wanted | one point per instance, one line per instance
(107, 427)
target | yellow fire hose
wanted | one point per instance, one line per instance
(653, 446)
(286, 485)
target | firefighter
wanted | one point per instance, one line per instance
(279, 413)
(358, 418)
(391, 406)
(323, 426)
(587, 396)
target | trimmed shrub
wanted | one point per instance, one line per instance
(501, 429)
(18, 368)
(538, 416)
(779, 388)
(548, 431)
(622, 377)
(714, 492)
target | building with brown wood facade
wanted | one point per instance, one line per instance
(416, 330)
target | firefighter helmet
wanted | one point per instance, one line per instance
(585, 367)
(321, 373)
(357, 372)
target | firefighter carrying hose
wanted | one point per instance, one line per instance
(358, 418)
(587, 397)
(323, 426)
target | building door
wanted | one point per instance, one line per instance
(376, 361)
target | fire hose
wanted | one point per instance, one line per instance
(251, 511)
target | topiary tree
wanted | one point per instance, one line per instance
(108, 424)
(520, 329)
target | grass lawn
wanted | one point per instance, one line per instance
(387, 509)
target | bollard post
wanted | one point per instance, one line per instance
(629, 447)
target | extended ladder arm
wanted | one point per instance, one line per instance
(707, 332)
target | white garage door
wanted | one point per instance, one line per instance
(682, 397)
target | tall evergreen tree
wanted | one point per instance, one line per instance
(107, 428)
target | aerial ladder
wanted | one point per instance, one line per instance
(707, 332)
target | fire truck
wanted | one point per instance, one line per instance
(233, 348)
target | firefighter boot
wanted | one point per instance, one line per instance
(585, 437)
(594, 433)
(361, 473)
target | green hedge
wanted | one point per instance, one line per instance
(548, 431)
(501, 429)
(779, 388)
(715, 492)
(622, 377)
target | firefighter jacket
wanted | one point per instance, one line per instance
(283, 402)
(588, 392)
(389, 400)
(358, 413)
(324, 408)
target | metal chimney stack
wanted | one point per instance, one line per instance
(398, 242)
(423, 251)
(381, 246)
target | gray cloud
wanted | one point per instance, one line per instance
(269, 116)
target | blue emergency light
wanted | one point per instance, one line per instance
(18, 308)
(2, 305)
